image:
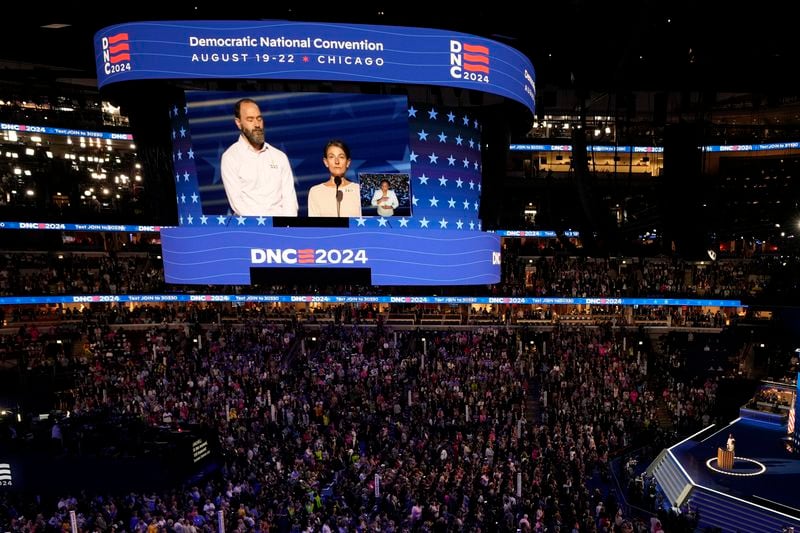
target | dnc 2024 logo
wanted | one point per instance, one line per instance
(116, 53)
(469, 61)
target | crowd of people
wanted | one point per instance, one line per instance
(569, 276)
(368, 429)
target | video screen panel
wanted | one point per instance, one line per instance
(430, 155)
(385, 194)
(374, 129)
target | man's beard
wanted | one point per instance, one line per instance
(256, 137)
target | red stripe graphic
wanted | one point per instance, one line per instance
(467, 57)
(305, 255)
(474, 48)
(119, 58)
(122, 47)
(114, 39)
(476, 68)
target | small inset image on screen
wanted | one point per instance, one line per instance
(385, 194)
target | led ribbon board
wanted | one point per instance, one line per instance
(312, 51)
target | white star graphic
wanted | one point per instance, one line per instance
(412, 157)
(471, 185)
(476, 165)
(361, 220)
(466, 204)
(261, 220)
(183, 131)
(451, 203)
(459, 182)
(443, 181)
(434, 201)
(424, 222)
(174, 134)
(190, 219)
(175, 110)
(179, 155)
(466, 162)
(180, 221)
(443, 223)
(479, 186)
(195, 197)
(459, 140)
(466, 120)
(423, 135)
(476, 206)
(442, 137)
(433, 158)
(183, 198)
(459, 224)
(186, 176)
(404, 222)
(432, 114)
(423, 180)
(451, 117)
(240, 220)
(220, 220)
(191, 153)
(471, 225)
(186, 109)
(471, 143)
(177, 178)
(382, 222)
(412, 112)
(451, 160)
(203, 219)
(414, 200)
(476, 123)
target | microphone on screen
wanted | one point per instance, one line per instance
(339, 194)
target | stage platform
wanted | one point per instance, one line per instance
(760, 493)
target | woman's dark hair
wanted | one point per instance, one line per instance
(338, 144)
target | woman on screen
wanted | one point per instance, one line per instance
(337, 197)
(385, 199)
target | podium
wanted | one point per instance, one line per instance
(724, 459)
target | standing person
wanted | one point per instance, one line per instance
(337, 197)
(385, 200)
(731, 444)
(257, 177)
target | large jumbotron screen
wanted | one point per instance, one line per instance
(428, 151)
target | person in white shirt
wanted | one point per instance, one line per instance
(730, 445)
(257, 177)
(337, 197)
(385, 200)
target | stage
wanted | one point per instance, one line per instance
(760, 493)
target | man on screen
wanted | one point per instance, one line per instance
(257, 177)
(385, 200)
